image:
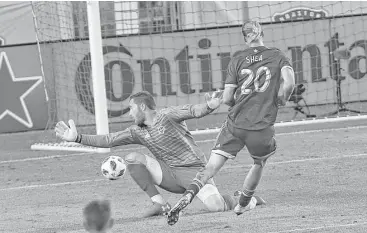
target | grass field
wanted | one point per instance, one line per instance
(317, 182)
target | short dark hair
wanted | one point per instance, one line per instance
(97, 214)
(144, 97)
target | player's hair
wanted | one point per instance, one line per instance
(97, 214)
(144, 97)
(252, 28)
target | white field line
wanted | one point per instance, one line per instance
(199, 141)
(302, 160)
(229, 167)
(320, 228)
(51, 185)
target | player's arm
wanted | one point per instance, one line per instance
(70, 134)
(228, 94)
(288, 84)
(190, 111)
(230, 84)
(109, 140)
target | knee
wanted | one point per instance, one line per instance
(135, 158)
(260, 162)
(212, 199)
(215, 203)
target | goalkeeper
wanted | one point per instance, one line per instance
(177, 157)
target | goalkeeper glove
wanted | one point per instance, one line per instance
(65, 132)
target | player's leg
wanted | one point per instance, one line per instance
(261, 145)
(147, 173)
(227, 146)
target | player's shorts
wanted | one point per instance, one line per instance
(260, 144)
(176, 179)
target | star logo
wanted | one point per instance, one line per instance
(13, 91)
(255, 51)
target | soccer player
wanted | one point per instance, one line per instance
(97, 216)
(254, 77)
(165, 134)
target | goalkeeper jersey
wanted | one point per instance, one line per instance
(168, 139)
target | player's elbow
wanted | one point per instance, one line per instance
(228, 95)
(227, 99)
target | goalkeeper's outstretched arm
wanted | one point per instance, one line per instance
(70, 134)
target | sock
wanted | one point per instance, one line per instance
(158, 199)
(245, 197)
(250, 184)
(193, 189)
(143, 178)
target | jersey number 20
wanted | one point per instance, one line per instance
(255, 79)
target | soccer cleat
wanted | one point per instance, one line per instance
(241, 209)
(157, 209)
(174, 213)
(231, 202)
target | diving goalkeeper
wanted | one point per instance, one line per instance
(177, 158)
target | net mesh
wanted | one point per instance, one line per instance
(178, 51)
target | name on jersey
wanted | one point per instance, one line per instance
(251, 59)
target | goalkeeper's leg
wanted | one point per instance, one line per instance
(214, 164)
(214, 201)
(176, 180)
(147, 173)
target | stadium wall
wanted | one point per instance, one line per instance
(207, 52)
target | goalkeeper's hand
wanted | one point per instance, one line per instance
(215, 99)
(65, 132)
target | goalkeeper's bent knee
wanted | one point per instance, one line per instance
(212, 199)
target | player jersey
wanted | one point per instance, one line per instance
(256, 74)
(168, 139)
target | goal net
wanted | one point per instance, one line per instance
(178, 51)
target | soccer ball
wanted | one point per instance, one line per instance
(113, 167)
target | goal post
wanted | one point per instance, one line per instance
(178, 51)
(98, 80)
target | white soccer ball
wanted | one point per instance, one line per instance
(113, 167)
